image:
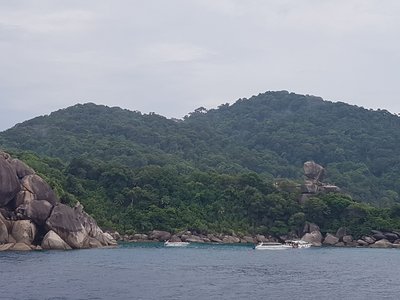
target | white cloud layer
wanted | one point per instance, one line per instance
(171, 57)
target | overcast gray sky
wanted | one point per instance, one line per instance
(171, 57)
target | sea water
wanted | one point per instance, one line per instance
(151, 271)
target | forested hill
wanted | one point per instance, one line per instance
(271, 134)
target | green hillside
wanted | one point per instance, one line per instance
(214, 170)
(271, 134)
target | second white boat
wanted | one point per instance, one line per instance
(176, 244)
(272, 246)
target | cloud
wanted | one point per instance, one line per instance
(173, 52)
(174, 56)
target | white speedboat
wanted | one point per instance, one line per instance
(272, 246)
(176, 244)
(298, 244)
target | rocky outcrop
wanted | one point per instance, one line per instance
(5, 247)
(314, 237)
(20, 247)
(67, 225)
(3, 232)
(53, 241)
(230, 240)
(37, 211)
(330, 240)
(310, 227)
(362, 243)
(9, 184)
(314, 171)
(377, 239)
(39, 188)
(21, 168)
(29, 209)
(24, 231)
(313, 184)
(160, 235)
(383, 243)
(368, 239)
(347, 239)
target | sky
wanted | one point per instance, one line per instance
(171, 57)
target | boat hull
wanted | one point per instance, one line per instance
(273, 247)
(176, 244)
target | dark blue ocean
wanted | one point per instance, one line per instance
(151, 271)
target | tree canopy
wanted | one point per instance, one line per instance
(214, 170)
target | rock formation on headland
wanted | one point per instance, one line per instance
(313, 184)
(31, 216)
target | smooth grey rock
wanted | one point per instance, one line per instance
(3, 233)
(347, 239)
(379, 236)
(315, 238)
(20, 247)
(9, 183)
(175, 239)
(214, 239)
(160, 235)
(230, 240)
(330, 239)
(23, 197)
(7, 222)
(107, 240)
(249, 239)
(38, 211)
(11, 239)
(261, 238)
(5, 247)
(21, 168)
(37, 186)
(313, 171)
(93, 243)
(66, 223)
(352, 244)
(391, 237)
(91, 227)
(24, 231)
(53, 241)
(116, 235)
(140, 236)
(340, 244)
(383, 243)
(368, 239)
(362, 243)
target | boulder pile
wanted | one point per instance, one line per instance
(342, 238)
(313, 184)
(192, 237)
(31, 216)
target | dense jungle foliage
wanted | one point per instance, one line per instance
(214, 171)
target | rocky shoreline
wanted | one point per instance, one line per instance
(312, 234)
(32, 217)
